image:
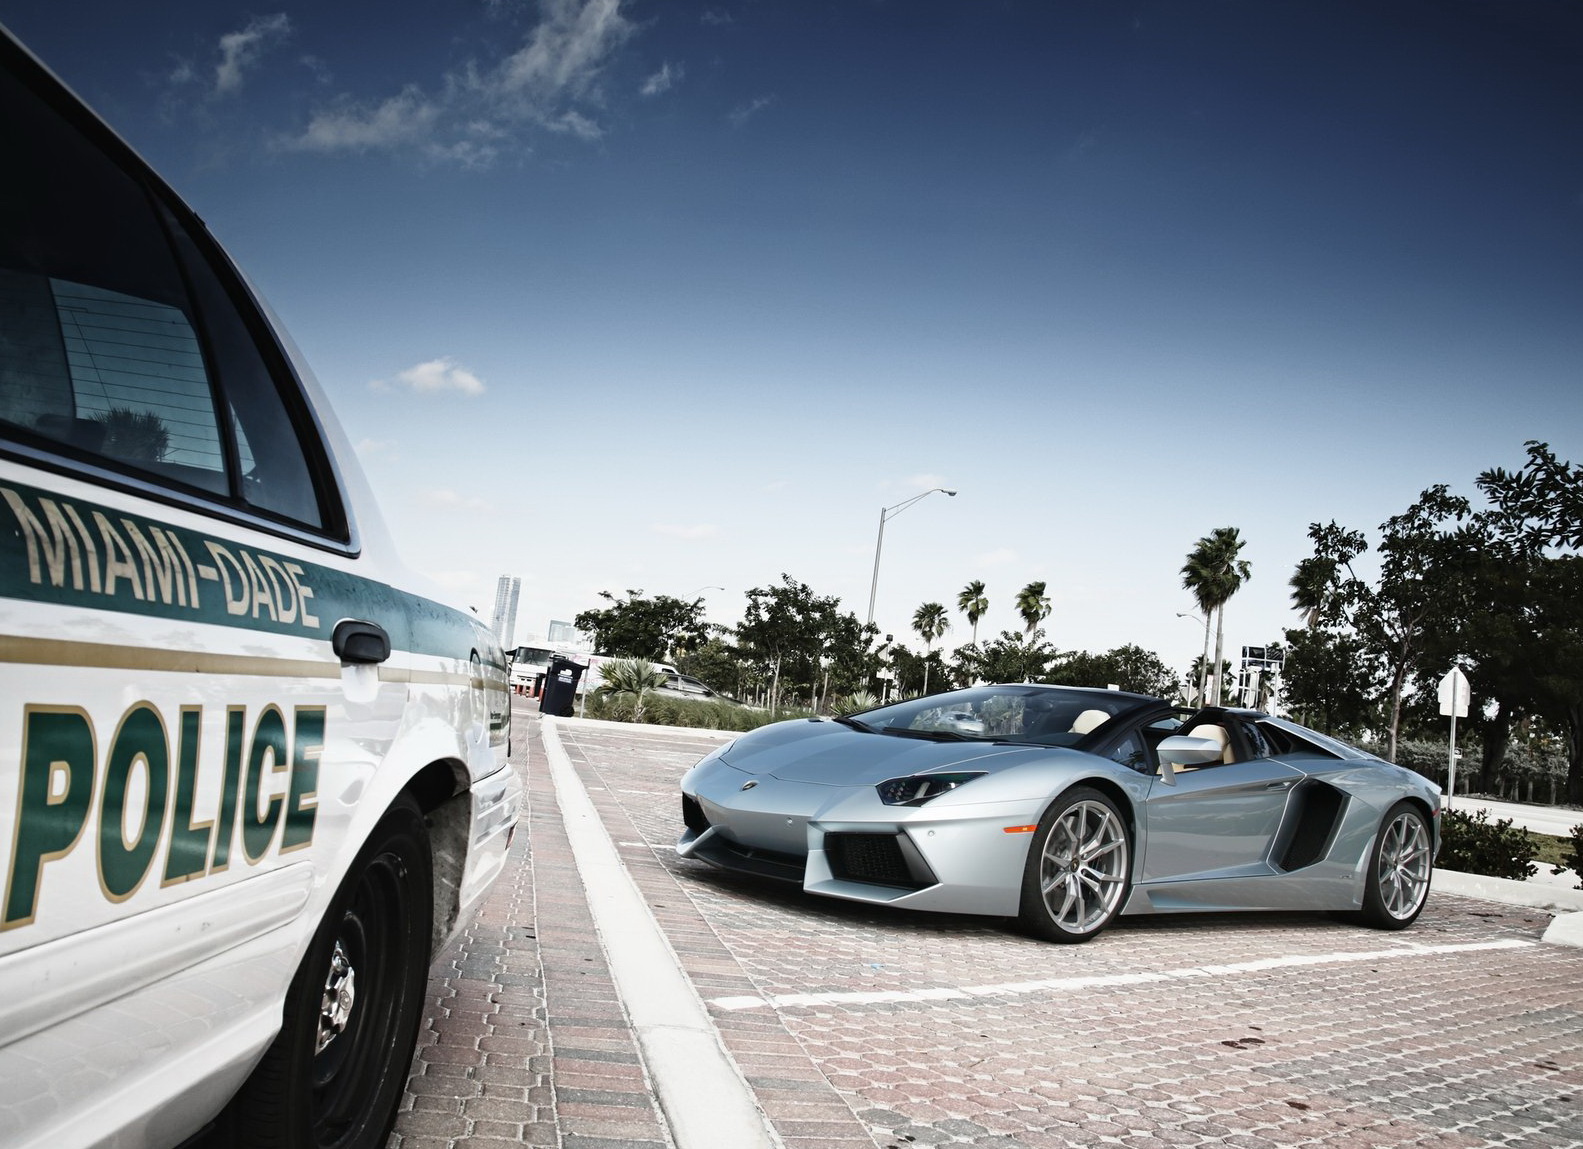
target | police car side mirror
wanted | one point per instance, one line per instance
(359, 642)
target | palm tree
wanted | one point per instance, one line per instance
(930, 622)
(630, 676)
(1033, 605)
(1212, 574)
(972, 603)
(138, 436)
(1311, 583)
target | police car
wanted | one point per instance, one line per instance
(251, 782)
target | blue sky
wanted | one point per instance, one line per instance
(628, 294)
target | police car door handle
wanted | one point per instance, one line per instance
(360, 642)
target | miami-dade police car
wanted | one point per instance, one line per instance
(249, 782)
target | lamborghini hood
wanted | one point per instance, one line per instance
(829, 754)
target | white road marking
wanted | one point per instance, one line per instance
(702, 1095)
(1063, 984)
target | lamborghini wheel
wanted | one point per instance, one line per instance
(1399, 869)
(1078, 870)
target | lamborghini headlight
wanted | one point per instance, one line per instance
(917, 789)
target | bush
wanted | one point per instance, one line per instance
(1574, 859)
(854, 703)
(1474, 845)
(662, 710)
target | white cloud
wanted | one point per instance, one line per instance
(239, 51)
(408, 118)
(440, 374)
(742, 113)
(551, 83)
(564, 53)
(574, 123)
(663, 80)
(700, 531)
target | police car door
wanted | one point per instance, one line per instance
(177, 571)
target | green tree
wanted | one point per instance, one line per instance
(1330, 680)
(912, 670)
(1417, 573)
(1483, 624)
(651, 628)
(1540, 504)
(930, 623)
(1535, 512)
(717, 665)
(1033, 605)
(971, 602)
(847, 661)
(1129, 667)
(800, 638)
(1394, 616)
(1010, 658)
(1213, 573)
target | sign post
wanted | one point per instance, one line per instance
(1454, 697)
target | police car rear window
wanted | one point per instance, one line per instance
(123, 347)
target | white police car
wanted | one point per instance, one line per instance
(250, 782)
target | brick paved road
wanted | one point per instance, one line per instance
(855, 1029)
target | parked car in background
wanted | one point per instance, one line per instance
(252, 778)
(686, 686)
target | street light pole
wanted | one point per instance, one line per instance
(1203, 663)
(879, 541)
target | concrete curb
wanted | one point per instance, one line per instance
(706, 1101)
(1565, 904)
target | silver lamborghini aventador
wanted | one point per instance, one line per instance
(1066, 807)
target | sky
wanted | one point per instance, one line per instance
(679, 297)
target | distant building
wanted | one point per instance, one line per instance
(504, 620)
(564, 632)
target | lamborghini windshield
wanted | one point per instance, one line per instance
(1048, 715)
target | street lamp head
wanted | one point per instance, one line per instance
(951, 493)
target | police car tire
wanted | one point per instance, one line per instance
(346, 1096)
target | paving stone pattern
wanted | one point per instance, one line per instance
(526, 1042)
(1450, 1050)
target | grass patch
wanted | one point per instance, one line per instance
(1551, 850)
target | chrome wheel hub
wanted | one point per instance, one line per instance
(340, 995)
(1084, 867)
(1404, 865)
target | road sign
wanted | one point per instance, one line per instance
(1454, 697)
(1455, 693)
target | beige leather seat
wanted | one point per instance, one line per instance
(1089, 720)
(1218, 734)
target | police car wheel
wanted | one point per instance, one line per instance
(335, 1073)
